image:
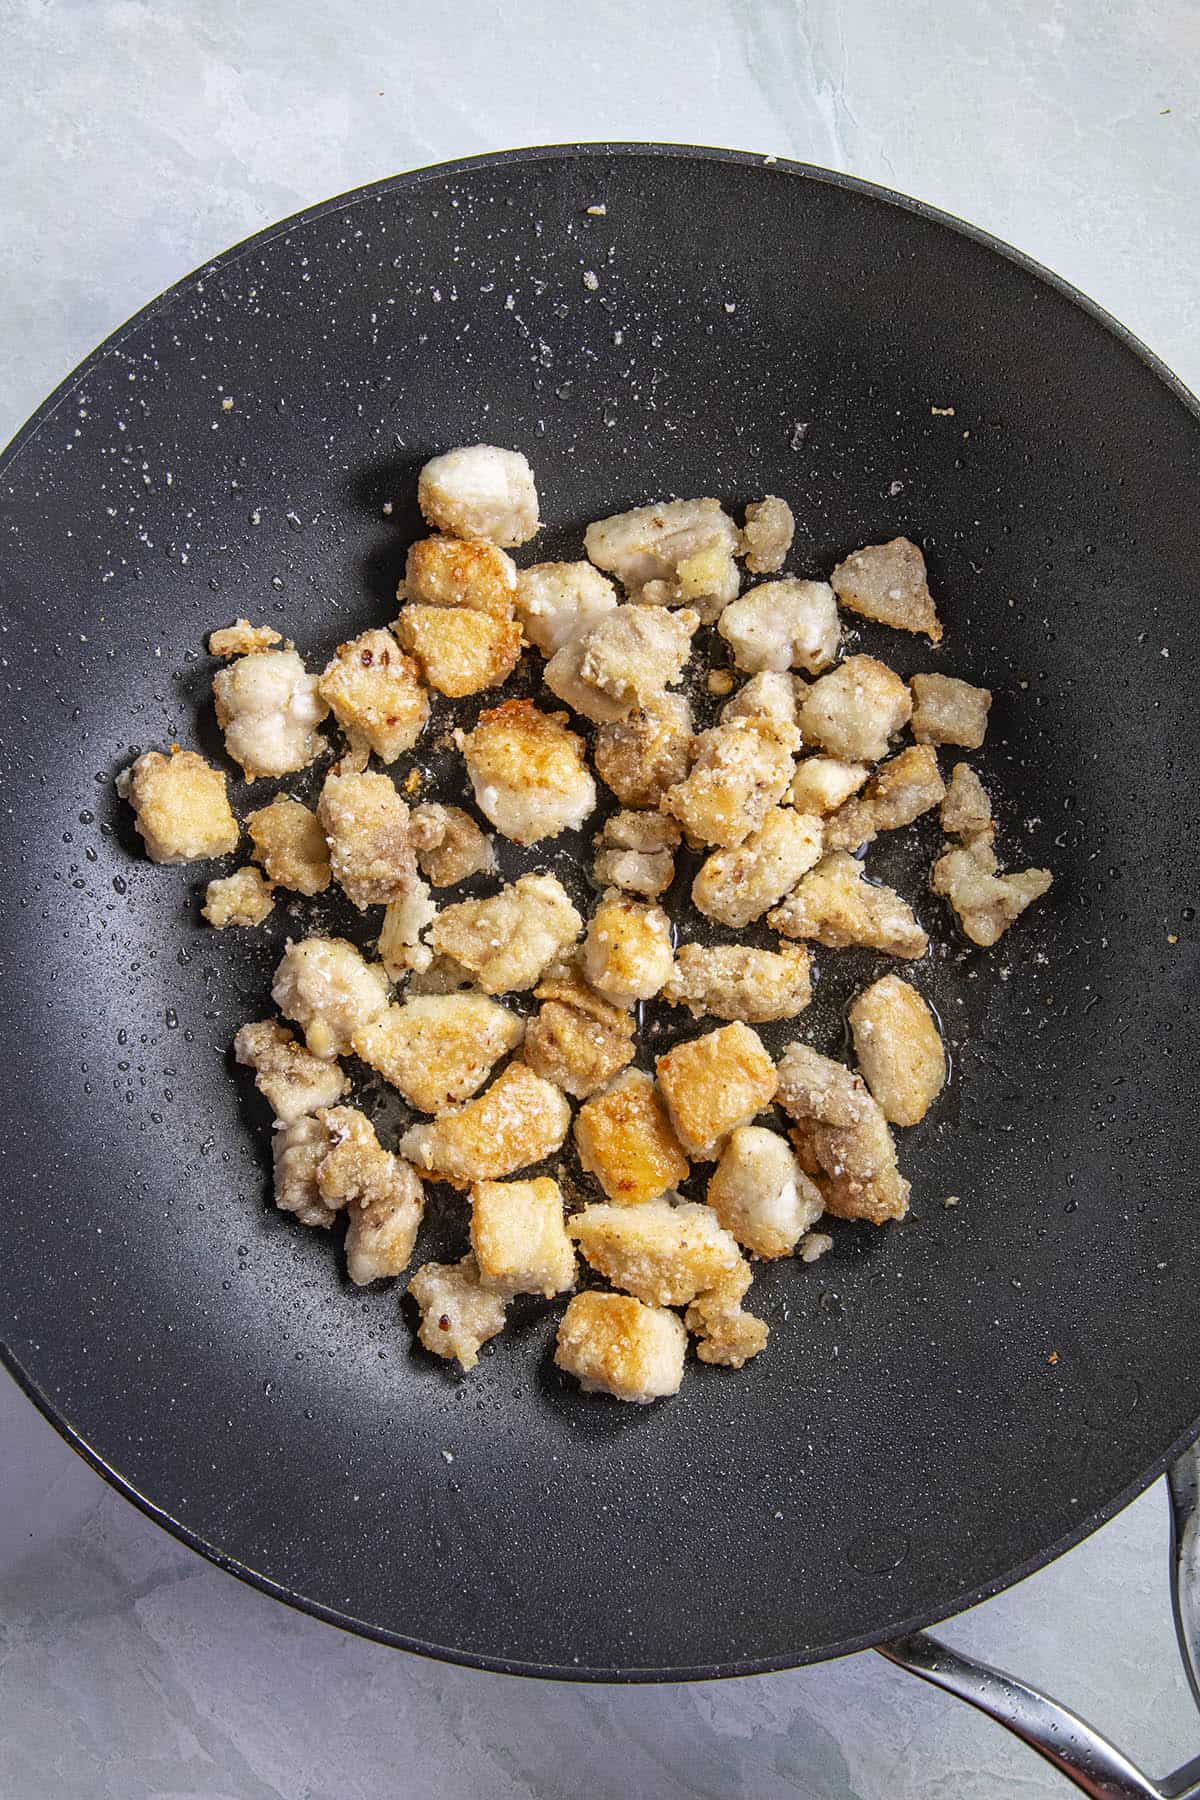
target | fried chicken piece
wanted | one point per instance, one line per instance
(823, 783)
(736, 886)
(439, 1049)
(770, 693)
(662, 1252)
(449, 844)
(528, 772)
(460, 651)
(681, 550)
(383, 1196)
(736, 981)
(180, 807)
(624, 660)
(480, 491)
(842, 1137)
(446, 571)
(966, 810)
(400, 946)
(242, 898)
(767, 535)
(625, 1140)
(899, 792)
(578, 1040)
(853, 711)
(899, 1049)
(370, 852)
(557, 601)
(627, 953)
(725, 1333)
(290, 845)
(297, 1151)
(290, 1078)
(635, 852)
(887, 582)
(516, 1122)
(519, 1237)
(615, 1345)
(783, 625)
(508, 940)
(375, 694)
(458, 1314)
(269, 708)
(241, 638)
(740, 771)
(713, 1084)
(760, 1193)
(325, 987)
(949, 711)
(986, 902)
(640, 757)
(837, 906)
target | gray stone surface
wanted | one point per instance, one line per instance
(138, 139)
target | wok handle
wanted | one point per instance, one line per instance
(1068, 1742)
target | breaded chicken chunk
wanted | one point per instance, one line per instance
(516, 1122)
(662, 1252)
(370, 851)
(783, 625)
(180, 807)
(240, 638)
(640, 757)
(823, 783)
(290, 1078)
(900, 790)
(985, 901)
(375, 694)
(325, 987)
(528, 772)
(269, 708)
(458, 1314)
(625, 659)
(760, 1193)
(949, 711)
(519, 1237)
(577, 1039)
(713, 1084)
(887, 582)
(636, 852)
(290, 845)
(449, 844)
(460, 651)
(966, 810)
(439, 1049)
(557, 601)
(673, 553)
(740, 771)
(842, 1137)
(771, 693)
(737, 981)
(726, 1334)
(297, 1152)
(382, 1195)
(615, 1345)
(479, 491)
(767, 535)
(627, 953)
(446, 571)
(836, 905)
(242, 898)
(626, 1141)
(853, 711)
(899, 1049)
(507, 941)
(736, 886)
(401, 947)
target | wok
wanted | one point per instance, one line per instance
(944, 1407)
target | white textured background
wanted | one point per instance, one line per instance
(136, 141)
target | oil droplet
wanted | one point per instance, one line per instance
(172, 1018)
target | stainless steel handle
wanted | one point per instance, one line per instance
(1068, 1742)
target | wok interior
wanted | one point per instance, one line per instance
(906, 1440)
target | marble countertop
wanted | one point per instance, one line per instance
(138, 139)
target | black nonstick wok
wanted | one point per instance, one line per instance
(944, 1406)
